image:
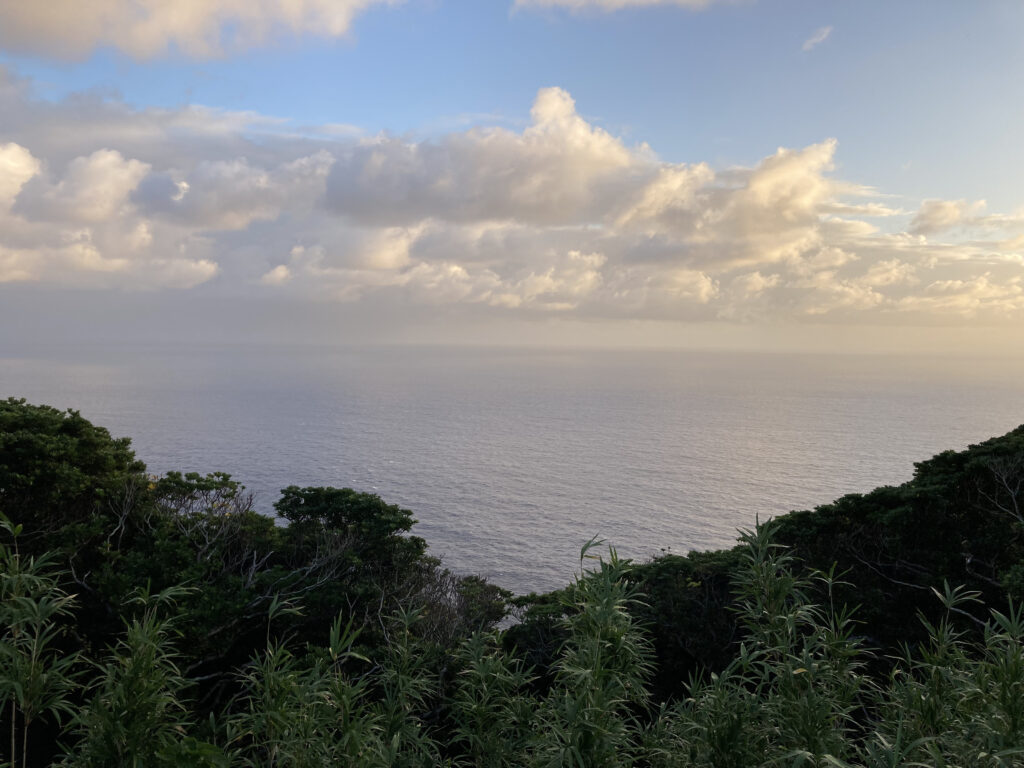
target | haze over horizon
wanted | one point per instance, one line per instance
(784, 176)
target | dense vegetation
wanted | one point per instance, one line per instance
(160, 621)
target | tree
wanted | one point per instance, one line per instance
(58, 472)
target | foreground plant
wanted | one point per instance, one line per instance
(138, 715)
(590, 716)
(491, 708)
(37, 676)
(307, 712)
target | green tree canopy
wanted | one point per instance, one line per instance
(57, 469)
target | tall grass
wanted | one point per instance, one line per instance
(798, 692)
(37, 675)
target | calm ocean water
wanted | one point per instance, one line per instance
(511, 460)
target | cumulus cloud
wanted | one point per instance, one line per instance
(17, 166)
(560, 218)
(559, 170)
(889, 272)
(93, 189)
(148, 28)
(279, 275)
(81, 228)
(560, 287)
(978, 296)
(940, 215)
(231, 194)
(747, 216)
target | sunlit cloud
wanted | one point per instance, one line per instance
(559, 170)
(559, 218)
(148, 28)
(940, 215)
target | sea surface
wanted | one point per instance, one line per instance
(512, 459)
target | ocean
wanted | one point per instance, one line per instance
(512, 459)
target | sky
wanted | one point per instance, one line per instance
(748, 174)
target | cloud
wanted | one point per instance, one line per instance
(760, 215)
(560, 287)
(17, 166)
(95, 188)
(232, 194)
(148, 28)
(940, 215)
(611, 5)
(559, 218)
(81, 229)
(559, 170)
(279, 275)
(889, 272)
(820, 36)
(977, 296)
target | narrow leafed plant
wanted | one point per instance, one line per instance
(797, 685)
(590, 716)
(36, 675)
(300, 712)
(491, 709)
(962, 704)
(139, 715)
(406, 684)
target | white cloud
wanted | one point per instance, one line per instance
(753, 284)
(559, 170)
(560, 217)
(889, 272)
(16, 266)
(93, 189)
(978, 296)
(17, 166)
(820, 36)
(80, 263)
(939, 215)
(828, 292)
(611, 5)
(559, 288)
(746, 216)
(232, 194)
(810, 262)
(148, 28)
(279, 275)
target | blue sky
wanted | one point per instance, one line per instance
(921, 98)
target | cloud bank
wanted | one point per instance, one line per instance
(147, 28)
(561, 218)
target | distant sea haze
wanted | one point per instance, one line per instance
(512, 459)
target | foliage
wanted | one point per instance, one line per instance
(330, 637)
(36, 674)
(58, 471)
(491, 710)
(138, 714)
(601, 674)
(111, 529)
(959, 520)
(797, 692)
